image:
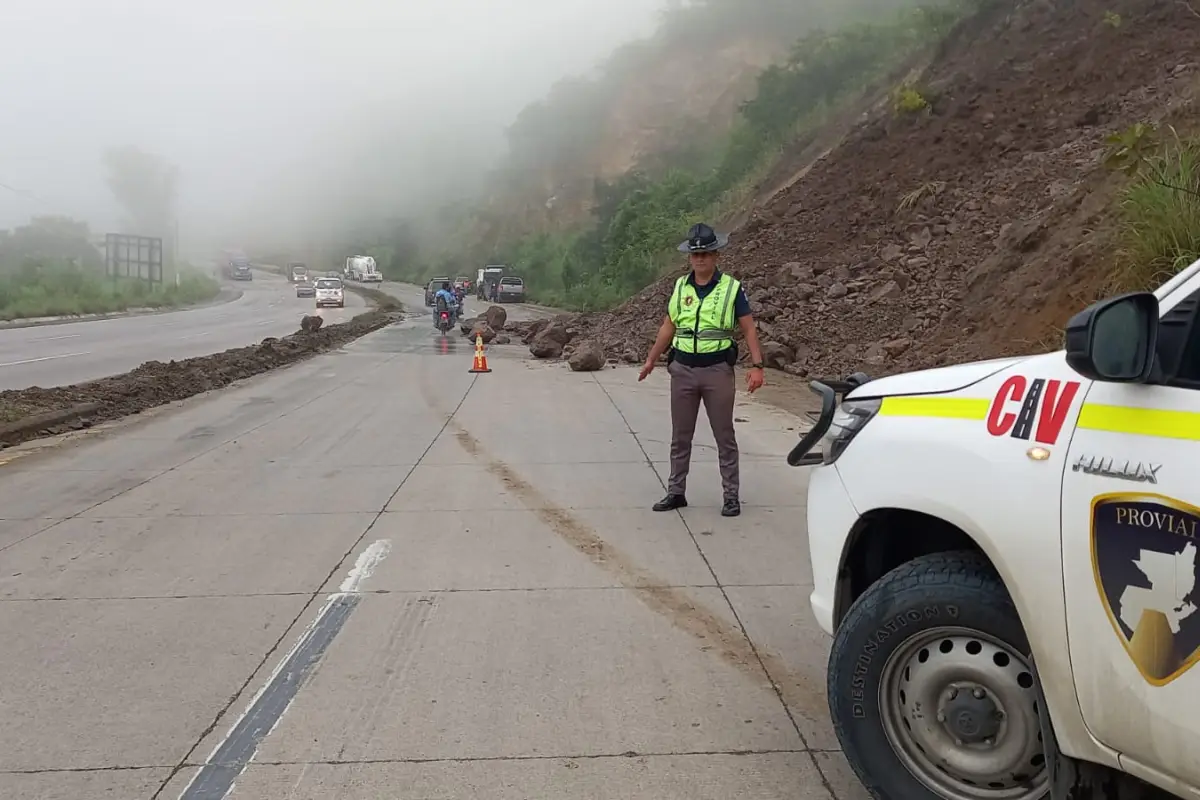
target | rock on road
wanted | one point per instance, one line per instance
(73, 352)
(377, 575)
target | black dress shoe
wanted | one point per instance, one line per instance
(671, 502)
(732, 508)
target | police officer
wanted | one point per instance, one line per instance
(705, 309)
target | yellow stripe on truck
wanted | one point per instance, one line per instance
(941, 407)
(1140, 421)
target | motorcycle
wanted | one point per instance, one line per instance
(444, 322)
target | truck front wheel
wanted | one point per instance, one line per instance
(930, 688)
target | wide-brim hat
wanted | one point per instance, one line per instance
(703, 239)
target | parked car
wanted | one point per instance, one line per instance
(511, 288)
(330, 292)
(305, 288)
(432, 287)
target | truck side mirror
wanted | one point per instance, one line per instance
(1115, 340)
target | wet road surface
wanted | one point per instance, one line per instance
(374, 574)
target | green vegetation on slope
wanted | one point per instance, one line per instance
(639, 218)
(60, 289)
(1160, 207)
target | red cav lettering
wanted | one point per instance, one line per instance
(1046, 401)
(1012, 390)
(1054, 410)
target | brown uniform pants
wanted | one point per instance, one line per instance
(716, 387)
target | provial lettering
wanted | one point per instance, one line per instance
(1169, 521)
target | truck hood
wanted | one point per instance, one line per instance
(935, 381)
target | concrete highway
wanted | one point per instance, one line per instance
(56, 355)
(375, 575)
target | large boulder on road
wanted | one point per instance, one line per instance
(468, 325)
(550, 340)
(530, 330)
(481, 328)
(777, 355)
(588, 357)
(311, 323)
(495, 317)
(546, 346)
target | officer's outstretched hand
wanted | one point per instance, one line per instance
(647, 368)
(754, 380)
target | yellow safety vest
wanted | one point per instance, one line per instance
(704, 326)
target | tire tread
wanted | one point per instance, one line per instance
(927, 577)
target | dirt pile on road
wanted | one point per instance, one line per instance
(31, 413)
(967, 230)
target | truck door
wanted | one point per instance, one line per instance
(1131, 558)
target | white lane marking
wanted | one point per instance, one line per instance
(43, 358)
(195, 336)
(351, 587)
(365, 565)
(59, 338)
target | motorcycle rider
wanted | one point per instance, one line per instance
(445, 300)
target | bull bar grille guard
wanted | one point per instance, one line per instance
(828, 390)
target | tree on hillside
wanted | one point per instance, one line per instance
(146, 186)
(49, 238)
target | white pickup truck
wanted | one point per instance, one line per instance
(1005, 553)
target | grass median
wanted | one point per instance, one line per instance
(63, 290)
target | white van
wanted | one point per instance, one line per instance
(330, 292)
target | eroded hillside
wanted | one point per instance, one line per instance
(967, 229)
(663, 101)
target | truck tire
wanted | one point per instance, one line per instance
(930, 687)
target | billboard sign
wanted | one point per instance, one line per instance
(127, 256)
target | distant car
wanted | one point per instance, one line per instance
(462, 282)
(432, 288)
(329, 292)
(511, 288)
(333, 273)
(297, 272)
(305, 288)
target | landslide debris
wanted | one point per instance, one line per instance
(156, 383)
(968, 228)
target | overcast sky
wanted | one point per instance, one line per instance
(240, 92)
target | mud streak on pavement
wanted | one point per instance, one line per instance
(727, 641)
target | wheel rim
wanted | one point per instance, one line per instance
(960, 709)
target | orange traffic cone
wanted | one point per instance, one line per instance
(480, 364)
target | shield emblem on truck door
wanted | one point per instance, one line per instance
(1146, 559)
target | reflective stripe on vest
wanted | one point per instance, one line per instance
(704, 325)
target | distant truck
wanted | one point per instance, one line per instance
(362, 269)
(487, 277)
(235, 265)
(297, 272)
